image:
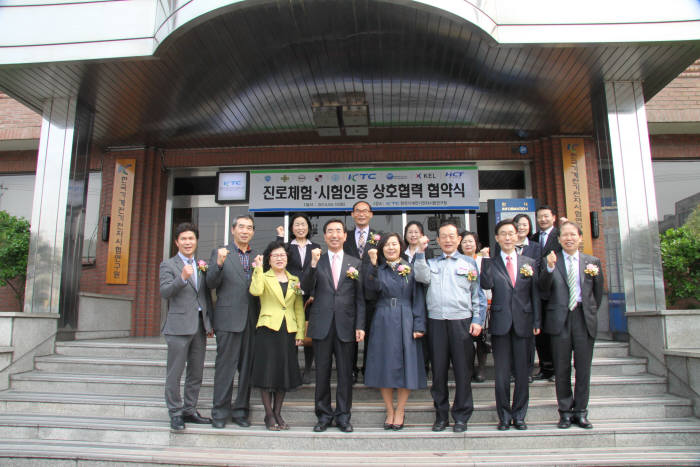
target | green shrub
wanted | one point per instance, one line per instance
(680, 255)
(14, 249)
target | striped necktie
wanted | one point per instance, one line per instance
(361, 243)
(571, 278)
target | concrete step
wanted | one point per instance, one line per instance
(146, 367)
(365, 413)
(58, 452)
(613, 433)
(155, 348)
(601, 386)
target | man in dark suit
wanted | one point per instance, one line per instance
(183, 285)
(547, 238)
(336, 322)
(358, 241)
(572, 282)
(515, 317)
(234, 319)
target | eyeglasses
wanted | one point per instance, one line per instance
(279, 255)
(508, 234)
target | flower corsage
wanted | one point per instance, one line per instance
(469, 273)
(352, 273)
(296, 287)
(526, 270)
(374, 238)
(404, 270)
(591, 270)
(202, 265)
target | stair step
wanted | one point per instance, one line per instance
(91, 452)
(365, 413)
(155, 348)
(614, 433)
(149, 367)
(601, 386)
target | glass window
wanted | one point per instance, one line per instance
(677, 191)
(17, 195)
(92, 216)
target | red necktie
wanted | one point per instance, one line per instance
(511, 269)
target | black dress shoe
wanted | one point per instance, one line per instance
(503, 426)
(196, 418)
(520, 424)
(564, 422)
(241, 421)
(440, 425)
(542, 376)
(388, 426)
(582, 421)
(478, 378)
(459, 427)
(396, 427)
(552, 379)
(177, 423)
(346, 427)
(218, 423)
(530, 379)
(306, 377)
(321, 427)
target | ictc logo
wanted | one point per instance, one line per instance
(362, 176)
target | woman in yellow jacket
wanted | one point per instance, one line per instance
(279, 330)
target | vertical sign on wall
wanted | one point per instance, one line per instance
(120, 226)
(576, 187)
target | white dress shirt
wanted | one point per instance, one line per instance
(514, 258)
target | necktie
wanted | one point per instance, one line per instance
(511, 269)
(335, 270)
(361, 243)
(519, 249)
(194, 274)
(543, 238)
(571, 281)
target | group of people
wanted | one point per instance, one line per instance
(414, 310)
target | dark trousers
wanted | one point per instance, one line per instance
(369, 314)
(543, 346)
(510, 353)
(450, 341)
(324, 350)
(233, 353)
(184, 351)
(575, 339)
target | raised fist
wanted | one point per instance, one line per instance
(423, 243)
(315, 256)
(280, 231)
(372, 256)
(258, 261)
(551, 259)
(221, 254)
(187, 271)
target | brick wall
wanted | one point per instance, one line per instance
(679, 101)
(17, 121)
(675, 146)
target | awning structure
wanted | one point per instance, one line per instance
(273, 73)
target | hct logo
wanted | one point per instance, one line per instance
(361, 176)
(454, 174)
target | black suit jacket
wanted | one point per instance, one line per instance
(552, 241)
(294, 263)
(555, 289)
(346, 305)
(517, 306)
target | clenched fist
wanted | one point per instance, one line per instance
(187, 271)
(551, 259)
(423, 243)
(280, 231)
(315, 256)
(372, 256)
(221, 254)
(258, 261)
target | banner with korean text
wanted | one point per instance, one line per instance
(576, 188)
(396, 189)
(120, 224)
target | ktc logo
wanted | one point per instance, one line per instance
(232, 183)
(361, 176)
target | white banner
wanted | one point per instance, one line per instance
(396, 189)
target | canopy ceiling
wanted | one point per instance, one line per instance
(251, 75)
